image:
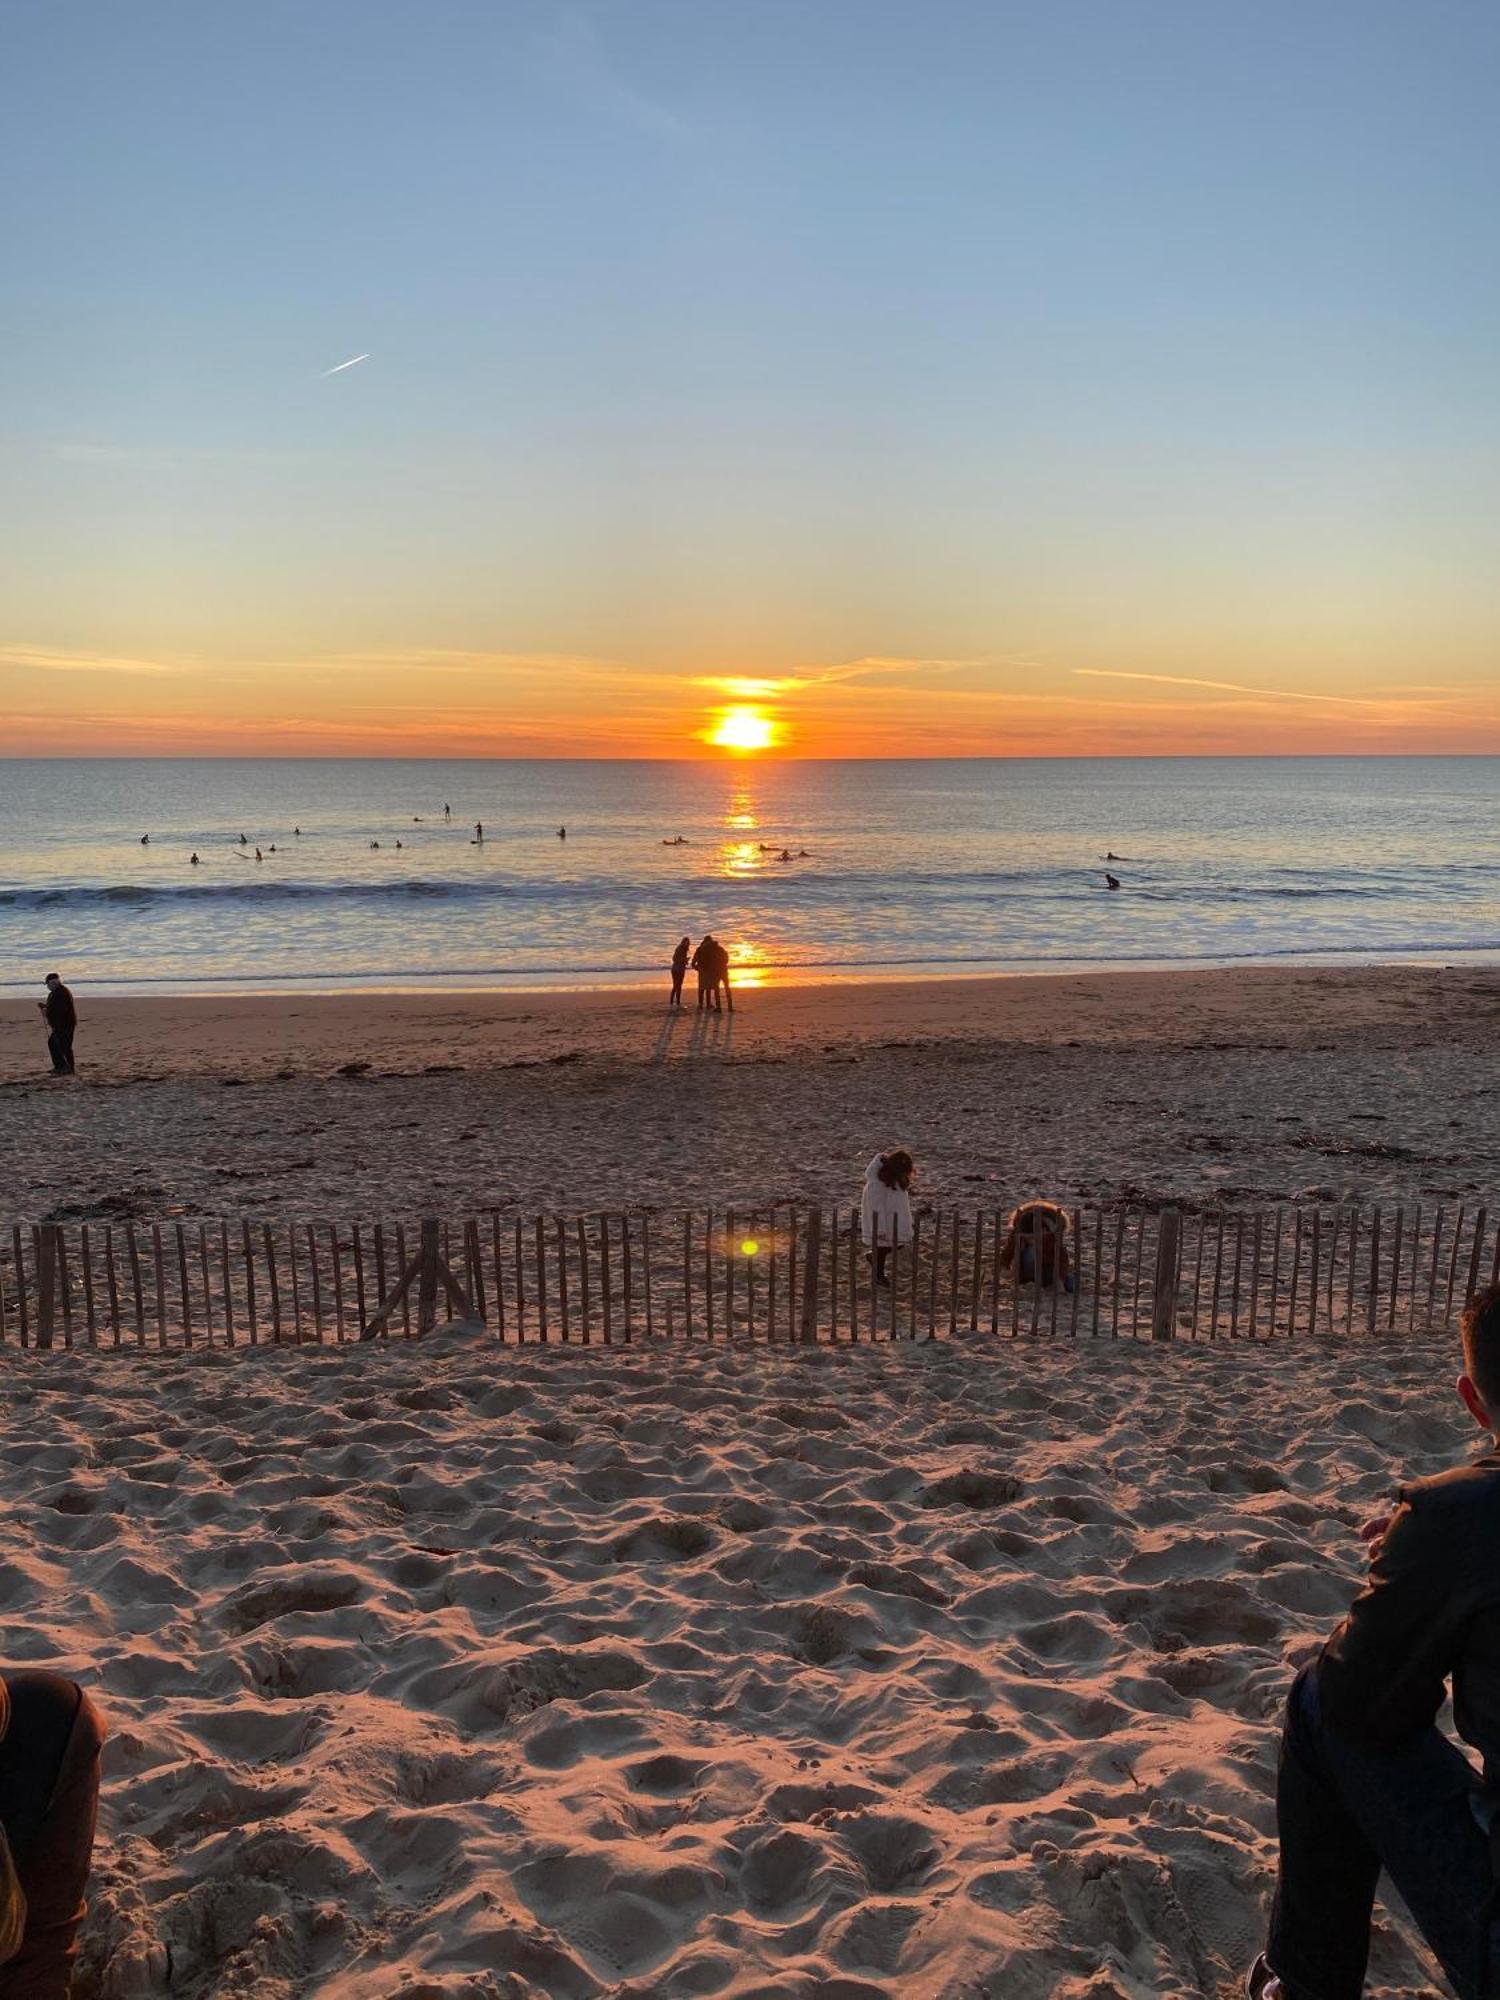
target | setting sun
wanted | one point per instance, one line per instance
(742, 729)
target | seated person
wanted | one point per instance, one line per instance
(1038, 1233)
(50, 1738)
(1366, 1779)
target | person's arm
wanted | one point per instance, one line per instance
(1381, 1675)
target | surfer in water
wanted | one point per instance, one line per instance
(1111, 881)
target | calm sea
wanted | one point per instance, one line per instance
(895, 868)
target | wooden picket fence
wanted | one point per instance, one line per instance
(794, 1273)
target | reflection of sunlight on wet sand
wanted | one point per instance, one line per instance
(747, 966)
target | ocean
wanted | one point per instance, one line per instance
(895, 868)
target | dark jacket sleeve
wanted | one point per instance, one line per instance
(1381, 1675)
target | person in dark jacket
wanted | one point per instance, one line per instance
(1366, 1778)
(705, 962)
(679, 969)
(62, 1021)
(50, 1738)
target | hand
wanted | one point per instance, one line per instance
(1373, 1533)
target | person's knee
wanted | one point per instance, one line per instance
(1302, 1719)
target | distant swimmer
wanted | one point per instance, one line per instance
(803, 855)
(562, 833)
(786, 854)
(447, 812)
(1114, 857)
(1111, 881)
(258, 855)
(272, 848)
(243, 841)
(145, 840)
(193, 861)
(678, 842)
(374, 844)
(416, 819)
(298, 831)
(398, 843)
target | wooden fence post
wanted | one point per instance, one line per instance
(45, 1256)
(1164, 1293)
(427, 1279)
(811, 1253)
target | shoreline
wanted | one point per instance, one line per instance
(536, 982)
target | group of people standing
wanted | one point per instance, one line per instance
(711, 963)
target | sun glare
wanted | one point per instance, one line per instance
(742, 728)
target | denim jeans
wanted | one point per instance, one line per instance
(1344, 1812)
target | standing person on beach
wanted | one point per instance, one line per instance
(61, 1017)
(885, 1209)
(679, 969)
(721, 975)
(705, 964)
(50, 1738)
(1367, 1780)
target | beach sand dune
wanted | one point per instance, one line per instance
(926, 1671)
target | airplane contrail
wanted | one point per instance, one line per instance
(353, 362)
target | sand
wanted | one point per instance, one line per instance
(449, 1671)
(453, 1671)
(1254, 1085)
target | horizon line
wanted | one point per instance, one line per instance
(741, 762)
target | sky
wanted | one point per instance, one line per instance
(1070, 377)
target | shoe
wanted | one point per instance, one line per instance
(1262, 1983)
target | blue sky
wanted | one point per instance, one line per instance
(756, 339)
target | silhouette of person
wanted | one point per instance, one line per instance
(145, 840)
(193, 861)
(447, 812)
(478, 830)
(297, 830)
(374, 844)
(562, 833)
(721, 976)
(398, 843)
(61, 1017)
(679, 970)
(243, 841)
(1111, 881)
(705, 964)
(258, 855)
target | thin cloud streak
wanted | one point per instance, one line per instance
(1228, 687)
(49, 660)
(352, 362)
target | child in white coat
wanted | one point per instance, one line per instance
(885, 1211)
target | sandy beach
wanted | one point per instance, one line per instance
(447, 1672)
(456, 1671)
(1254, 1084)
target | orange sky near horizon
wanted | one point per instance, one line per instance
(454, 703)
